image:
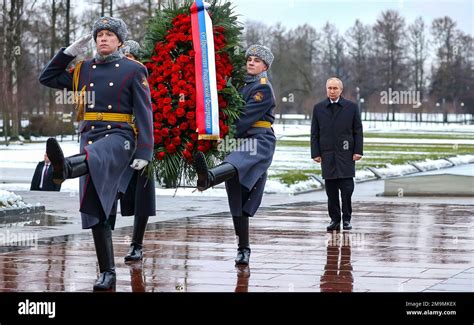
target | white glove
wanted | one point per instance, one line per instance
(79, 46)
(139, 164)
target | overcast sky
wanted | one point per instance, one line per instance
(343, 13)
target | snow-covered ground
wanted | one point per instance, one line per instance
(28, 155)
(394, 140)
(381, 126)
(11, 200)
(17, 162)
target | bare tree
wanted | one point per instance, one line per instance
(135, 15)
(279, 45)
(13, 51)
(390, 53)
(360, 52)
(68, 22)
(256, 33)
(418, 53)
(333, 58)
(3, 71)
(451, 72)
(303, 55)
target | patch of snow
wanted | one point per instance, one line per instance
(419, 141)
(11, 200)
(395, 170)
(364, 174)
(386, 141)
(304, 129)
(274, 186)
(461, 160)
(28, 155)
(292, 129)
(429, 164)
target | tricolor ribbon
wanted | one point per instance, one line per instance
(207, 105)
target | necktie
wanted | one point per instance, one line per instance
(45, 173)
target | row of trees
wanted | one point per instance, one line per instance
(31, 32)
(430, 58)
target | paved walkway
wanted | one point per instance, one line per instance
(397, 245)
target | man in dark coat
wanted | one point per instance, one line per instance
(336, 143)
(109, 139)
(245, 170)
(43, 177)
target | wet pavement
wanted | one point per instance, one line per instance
(395, 246)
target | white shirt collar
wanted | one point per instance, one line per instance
(334, 102)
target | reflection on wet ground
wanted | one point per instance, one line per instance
(393, 247)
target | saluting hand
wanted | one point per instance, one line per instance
(79, 46)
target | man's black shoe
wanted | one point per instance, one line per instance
(243, 256)
(346, 225)
(106, 281)
(333, 226)
(135, 253)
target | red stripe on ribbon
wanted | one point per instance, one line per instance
(200, 108)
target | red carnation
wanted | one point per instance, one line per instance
(171, 148)
(184, 126)
(157, 139)
(172, 120)
(190, 116)
(180, 112)
(160, 155)
(187, 155)
(176, 132)
(176, 141)
(164, 132)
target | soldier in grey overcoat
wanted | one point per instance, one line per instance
(245, 169)
(108, 130)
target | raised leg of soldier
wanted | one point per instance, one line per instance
(64, 168)
(210, 177)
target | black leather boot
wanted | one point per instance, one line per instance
(241, 226)
(105, 255)
(210, 177)
(64, 168)
(136, 247)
